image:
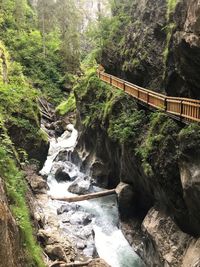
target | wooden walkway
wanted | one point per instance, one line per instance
(183, 109)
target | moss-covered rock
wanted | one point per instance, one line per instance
(20, 139)
(131, 145)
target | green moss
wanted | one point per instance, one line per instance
(67, 106)
(171, 5)
(94, 96)
(126, 126)
(189, 140)
(169, 30)
(19, 111)
(106, 106)
(160, 140)
(16, 188)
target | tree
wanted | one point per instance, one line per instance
(46, 19)
(68, 20)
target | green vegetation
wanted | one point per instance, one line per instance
(171, 5)
(67, 106)
(169, 31)
(102, 105)
(19, 118)
(16, 188)
(159, 141)
(189, 140)
(44, 41)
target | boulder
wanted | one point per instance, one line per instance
(55, 252)
(64, 171)
(190, 179)
(192, 256)
(81, 217)
(37, 183)
(125, 196)
(98, 263)
(62, 175)
(81, 245)
(167, 239)
(67, 208)
(80, 186)
(56, 245)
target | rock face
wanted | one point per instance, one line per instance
(56, 246)
(139, 56)
(36, 182)
(98, 263)
(190, 178)
(184, 57)
(125, 194)
(150, 172)
(11, 253)
(170, 241)
(153, 56)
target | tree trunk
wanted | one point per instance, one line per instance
(86, 197)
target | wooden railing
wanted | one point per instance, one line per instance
(184, 109)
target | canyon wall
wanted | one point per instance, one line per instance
(158, 48)
(152, 158)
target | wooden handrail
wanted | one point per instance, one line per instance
(184, 109)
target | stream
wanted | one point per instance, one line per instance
(91, 225)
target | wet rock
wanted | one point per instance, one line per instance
(62, 156)
(11, 250)
(62, 175)
(80, 186)
(90, 251)
(192, 256)
(55, 252)
(56, 245)
(99, 173)
(81, 245)
(125, 199)
(64, 171)
(167, 239)
(85, 232)
(98, 263)
(67, 208)
(80, 218)
(190, 179)
(57, 127)
(36, 182)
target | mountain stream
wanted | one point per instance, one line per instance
(91, 225)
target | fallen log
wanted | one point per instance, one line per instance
(86, 197)
(76, 264)
(72, 264)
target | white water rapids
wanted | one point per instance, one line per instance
(110, 243)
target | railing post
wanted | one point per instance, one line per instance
(110, 80)
(198, 112)
(181, 113)
(165, 103)
(124, 86)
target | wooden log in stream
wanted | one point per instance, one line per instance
(72, 264)
(86, 197)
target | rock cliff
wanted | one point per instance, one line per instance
(158, 47)
(153, 157)
(11, 252)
